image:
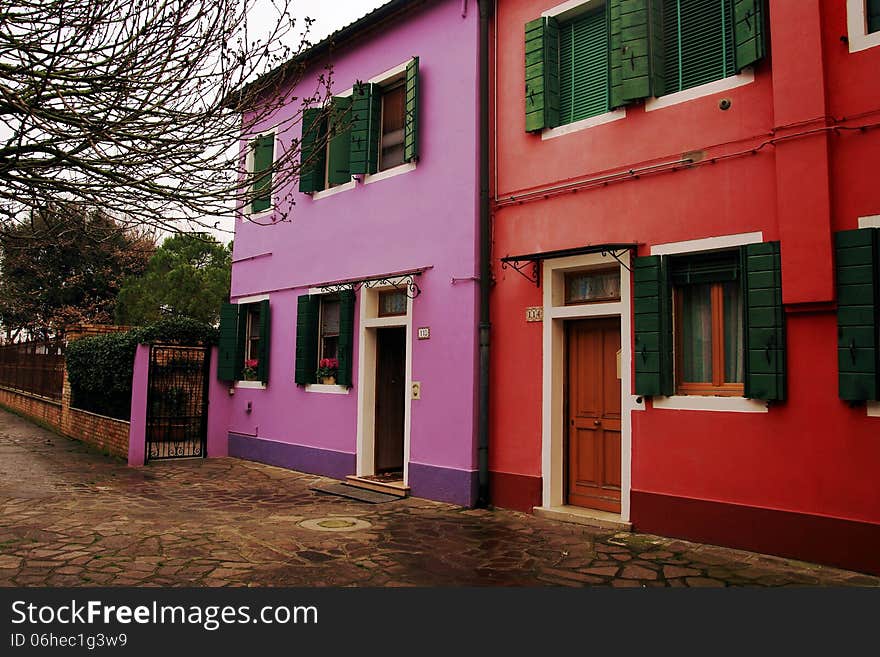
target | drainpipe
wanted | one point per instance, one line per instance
(485, 254)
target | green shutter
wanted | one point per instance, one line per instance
(652, 313)
(411, 109)
(366, 123)
(240, 345)
(312, 151)
(698, 43)
(583, 67)
(857, 297)
(630, 50)
(873, 16)
(345, 348)
(339, 150)
(264, 159)
(228, 368)
(265, 346)
(542, 74)
(764, 322)
(749, 28)
(307, 311)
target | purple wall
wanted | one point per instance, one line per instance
(427, 217)
(140, 383)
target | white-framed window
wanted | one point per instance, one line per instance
(393, 119)
(863, 24)
(328, 328)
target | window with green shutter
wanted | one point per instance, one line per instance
(710, 324)
(698, 42)
(873, 15)
(325, 337)
(244, 342)
(858, 291)
(313, 151)
(262, 160)
(583, 67)
(339, 130)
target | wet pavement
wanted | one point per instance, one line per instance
(70, 516)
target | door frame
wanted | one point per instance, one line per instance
(553, 429)
(366, 378)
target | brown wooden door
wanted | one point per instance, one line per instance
(390, 398)
(593, 450)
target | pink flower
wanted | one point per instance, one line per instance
(251, 363)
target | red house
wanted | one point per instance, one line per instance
(685, 250)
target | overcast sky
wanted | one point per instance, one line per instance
(329, 15)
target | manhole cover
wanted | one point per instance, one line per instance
(335, 524)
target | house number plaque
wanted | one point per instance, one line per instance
(424, 333)
(535, 314)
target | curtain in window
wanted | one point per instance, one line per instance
(696, 333)
(734, 360)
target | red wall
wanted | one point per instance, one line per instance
(812, 454)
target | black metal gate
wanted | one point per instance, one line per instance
(177, 402)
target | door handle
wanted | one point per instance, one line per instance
(597, 422)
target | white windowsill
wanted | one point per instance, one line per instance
(577, 126)
(873, 409)
(872, 221)
(252, 385)
(857, 27)
(327, 390)
(708, 243)
(747, 76)
(400, 169)
(254, 216)
(707, 403)
(325, 193)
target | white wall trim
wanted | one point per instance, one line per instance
(369, 323)
(571, 8)
(872, 221)
(708, 243)
(326, 389)
(577, 126)
(873, 409)
(553, 372)
(252, 385)
(857, 27)
(252, 299)
(747, 76)
(709, 403)
(333, 191)
(400, 169)
(390, 73)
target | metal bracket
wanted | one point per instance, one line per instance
(519, 267)
(406, 283)
(616, 255)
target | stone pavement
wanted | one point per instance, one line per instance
(70, 516)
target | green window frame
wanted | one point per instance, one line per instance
(584, 83)
(244, 337)
(657, 308)
(698, 42)
(262, 160)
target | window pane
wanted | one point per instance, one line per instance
(733, 333)
(330, 317)
(393, 111)
(392, 303)
(583, 287)
(696, 333)
(873, 16)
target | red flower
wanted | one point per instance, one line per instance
(251, 363)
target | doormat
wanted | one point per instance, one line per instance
(351, 492)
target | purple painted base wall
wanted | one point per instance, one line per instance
(324, 462)
(443, 484)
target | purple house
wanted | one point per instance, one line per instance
(350, 347)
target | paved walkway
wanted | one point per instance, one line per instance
(70, 516)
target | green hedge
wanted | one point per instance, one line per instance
(100, 368)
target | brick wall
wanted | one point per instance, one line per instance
(46, 411)
(105, 433)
